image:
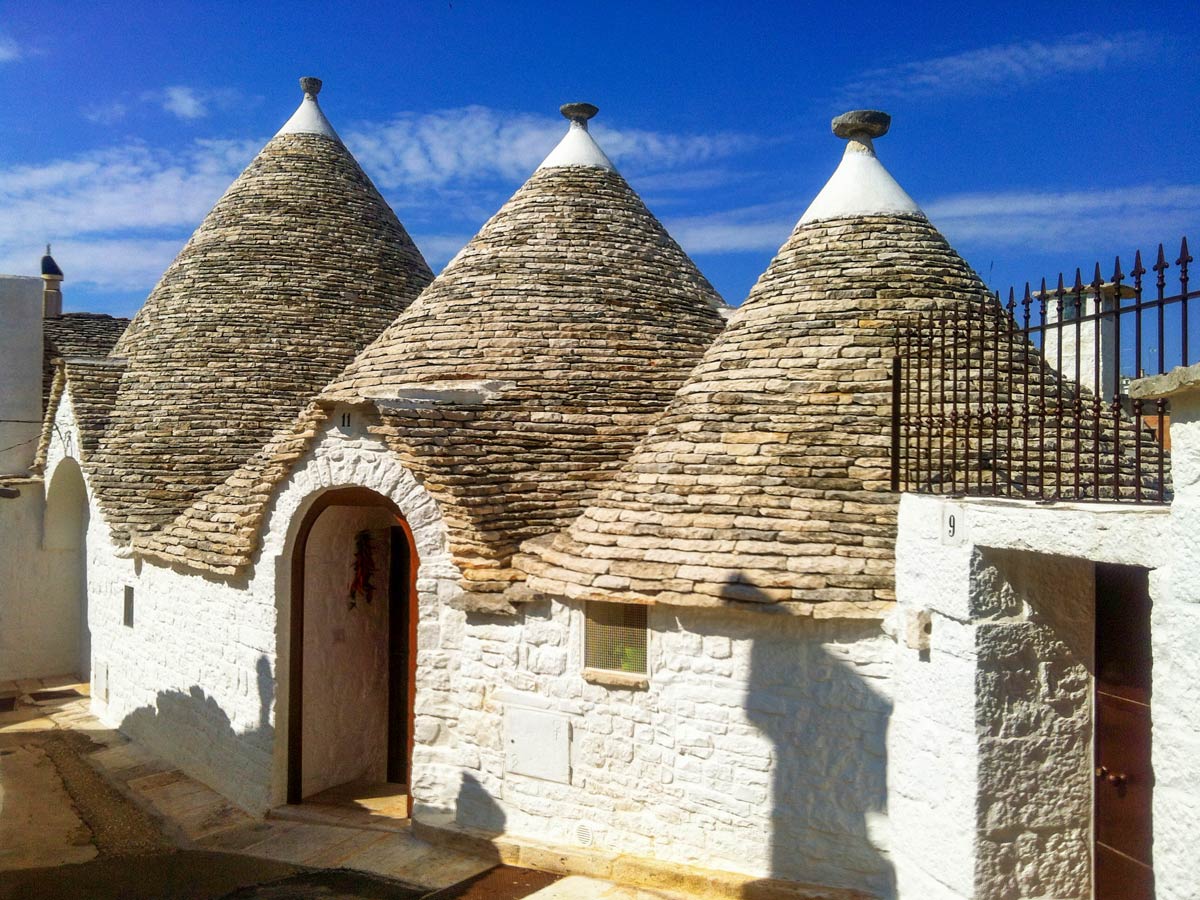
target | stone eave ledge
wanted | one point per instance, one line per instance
(1148, 509)
(1178, 380)
(423, 395)
(104, 362)
(825, 609)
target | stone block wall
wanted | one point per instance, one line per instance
(758, 746)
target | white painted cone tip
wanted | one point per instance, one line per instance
(308, 118)
(578, 147)
(860, 186)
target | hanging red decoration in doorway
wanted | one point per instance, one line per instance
(362, 586)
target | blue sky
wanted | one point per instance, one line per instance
(1038, 137)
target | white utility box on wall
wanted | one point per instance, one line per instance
(537, 743)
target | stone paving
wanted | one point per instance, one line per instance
(80, 804)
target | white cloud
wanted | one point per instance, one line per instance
(1063, 222)
(106, 113)
(1114, 217)
(116, 216)
(439, 249)
(184, 102)
(763, 227)
(10, 50)
(476, 143)
(108, 264)
(998, 66)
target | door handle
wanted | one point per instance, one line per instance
(1114, 778)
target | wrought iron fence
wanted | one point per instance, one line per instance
(1029, 398)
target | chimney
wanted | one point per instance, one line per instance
(52, 278)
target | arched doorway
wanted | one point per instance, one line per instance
(351, 660)
(64, 536)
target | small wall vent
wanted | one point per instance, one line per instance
(128, 613)
(583, 835)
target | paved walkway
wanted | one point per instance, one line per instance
(81, 807)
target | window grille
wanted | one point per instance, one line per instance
(615, 637)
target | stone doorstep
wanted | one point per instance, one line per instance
(318, 814)
(621, 869)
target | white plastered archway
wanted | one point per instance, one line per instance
(65, 594)
(334, 463)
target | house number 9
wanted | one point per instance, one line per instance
(953, 531)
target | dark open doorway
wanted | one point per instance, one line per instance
(352, 646)
(1124, 774)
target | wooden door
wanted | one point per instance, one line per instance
(401, 655)
(1124, 777)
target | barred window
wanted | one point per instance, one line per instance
(615, 637)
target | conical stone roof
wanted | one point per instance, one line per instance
(539, 357)
(298, 266)
(767, 478)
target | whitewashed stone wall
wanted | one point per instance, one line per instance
(40, 594)
(1175, 635)
(27, 648)
(758, 746)
(39, 607)
(201, 677)
(990, 790)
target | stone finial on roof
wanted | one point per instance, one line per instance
(860, 186)
(579, 113)
(308, 118)
(861, 123)
(578, 147)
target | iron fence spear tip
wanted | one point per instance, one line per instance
(1138, 268)
(1117, 274)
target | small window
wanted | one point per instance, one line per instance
(615, 637)
(128, 619)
